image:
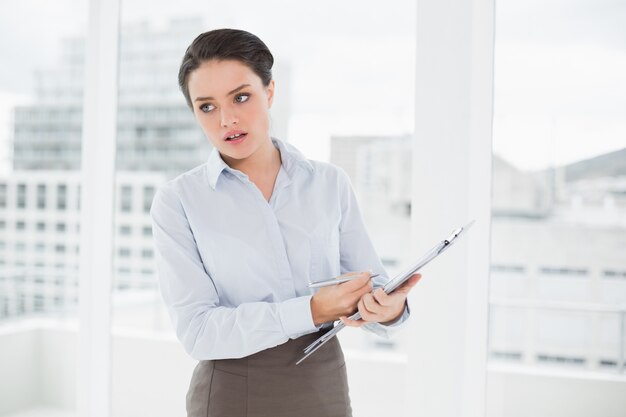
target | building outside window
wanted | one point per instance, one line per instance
(557, 288)
(148, 194)
(21, 196)
(61, 196)
(126, 199)
(41, 196)
(3, 195)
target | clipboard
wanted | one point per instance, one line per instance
(390, 286)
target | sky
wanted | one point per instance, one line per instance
(560, 93)
(560, 83)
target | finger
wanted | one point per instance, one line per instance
(415, 278)
(360, 292)
(349, 274)
(410, 283)
(397, 298)
(365, 289)
(382, 297)
(352, 323)
(371, 304)
(365, 313)
(356, 284)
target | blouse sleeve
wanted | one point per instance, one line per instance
(206, 329)
(357, 250)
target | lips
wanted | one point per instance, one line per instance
(234, 135)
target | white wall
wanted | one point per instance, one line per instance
(20, 362)
(151, 376)
(452, 161)
(554, 394)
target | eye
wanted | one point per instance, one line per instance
(206, 107)
(242, 98)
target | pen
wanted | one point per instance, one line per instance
(335, 281)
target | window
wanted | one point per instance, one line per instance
(21, 196)
(518, 269)
(614, 274)
(557, 200)
(61, 196)
(3, 195)
(39, 302)
(566, 271)
(158, 134)
(126, 202)
(41, 196)
(148, 195)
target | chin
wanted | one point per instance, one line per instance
(238, 154)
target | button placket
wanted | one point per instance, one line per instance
(283, 269)
(282, 260)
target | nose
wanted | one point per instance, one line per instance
(228, 117)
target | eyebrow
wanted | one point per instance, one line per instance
(229, 93)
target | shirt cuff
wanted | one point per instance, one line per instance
(386, 331)
(405, 315)
(295, 316)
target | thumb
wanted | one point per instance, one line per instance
(357, 283)
(410, 283)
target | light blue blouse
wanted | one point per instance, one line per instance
(233, 268)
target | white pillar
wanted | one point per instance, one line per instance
(96, 216)
(451, 185)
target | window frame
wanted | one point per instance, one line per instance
(93, 396)
(452, 159)
(454, 105)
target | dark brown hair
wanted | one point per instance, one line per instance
(225, 44)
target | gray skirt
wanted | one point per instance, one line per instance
(269, 384)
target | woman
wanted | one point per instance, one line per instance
(238, 239)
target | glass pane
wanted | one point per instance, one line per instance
(344, 94)
(558, 273)
(41, 44)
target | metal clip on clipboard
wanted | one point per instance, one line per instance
(391, 286)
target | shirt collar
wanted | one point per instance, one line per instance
(291, 158)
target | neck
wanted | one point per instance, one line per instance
(266, 160)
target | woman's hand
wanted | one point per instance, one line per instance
(381, 307)
(332, 302)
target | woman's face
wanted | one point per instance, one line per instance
(229, 99)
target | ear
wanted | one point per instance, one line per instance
(270, 93)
